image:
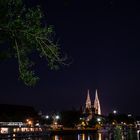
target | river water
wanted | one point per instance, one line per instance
(94, 136)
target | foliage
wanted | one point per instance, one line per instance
(24, 31)
(70, 118)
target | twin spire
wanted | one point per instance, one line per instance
(88, 101)
(96, 103)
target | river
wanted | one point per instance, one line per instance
(94, 136)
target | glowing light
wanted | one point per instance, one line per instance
(138, 132)
(37, 124)
(30, 122)
(98, 119)
(114, 112)
(89, 137)
(57, 117)
(129, 115)
(47, 117)
(83, 136)
(4, 130)
(113, 123)
(56, 137)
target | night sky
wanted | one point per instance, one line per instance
(103, 40)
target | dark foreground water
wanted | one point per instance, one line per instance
(94, 136)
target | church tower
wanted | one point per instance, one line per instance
(88, 101)
(97, 104)
(88, 109)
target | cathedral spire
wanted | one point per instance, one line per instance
(97, 104)
(88, 101)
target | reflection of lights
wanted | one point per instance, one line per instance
(99, 136)
(88, 137)
(138, 133)
(56, 137)
(81, 136)
(60, 137)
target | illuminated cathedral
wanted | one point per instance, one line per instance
(92, 108)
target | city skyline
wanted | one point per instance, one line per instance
(102, 39)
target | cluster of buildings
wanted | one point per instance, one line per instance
(25, 117)
(92, 115)
(92, 108)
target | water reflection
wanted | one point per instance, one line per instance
(87, 137)
(56, 137)
(81, 137)
(91, 136)
(99, 136)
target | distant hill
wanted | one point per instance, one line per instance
(16, 112)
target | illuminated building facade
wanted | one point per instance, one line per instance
(97, 106)
(94, 108)
(88, 101)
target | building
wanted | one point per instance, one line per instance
(92, 109)
(97, 104)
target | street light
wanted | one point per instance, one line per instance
(47, 117)
(29, 122)
(114, 112)
(57, 117)
(98, 119)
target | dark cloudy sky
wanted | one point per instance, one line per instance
(103, 39)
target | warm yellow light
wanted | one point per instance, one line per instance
(83, 136)
(83, 123)
(100, 136)
(56, 137)
(27, 120)
(113, 123)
